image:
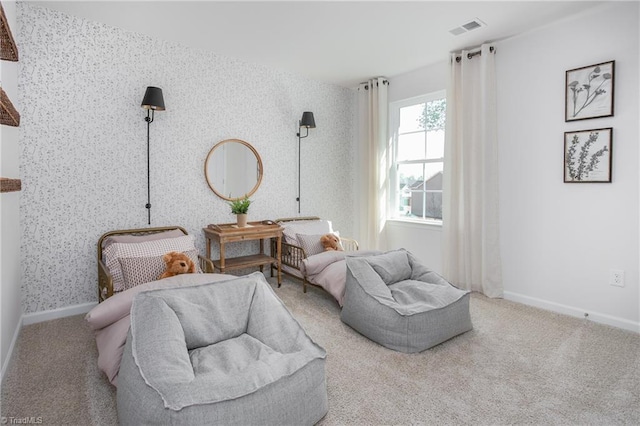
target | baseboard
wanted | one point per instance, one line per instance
(57, 313)
(573, 311)
(7, 360)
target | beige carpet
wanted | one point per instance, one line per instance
(519, 365)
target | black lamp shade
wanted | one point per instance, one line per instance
(153, 99)
(307, 120)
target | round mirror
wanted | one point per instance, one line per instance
(233, 169)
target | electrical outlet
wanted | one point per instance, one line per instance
(616, 277)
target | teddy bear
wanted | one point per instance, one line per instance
(177, 263)
(330, 242)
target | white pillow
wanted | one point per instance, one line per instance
(308, 227)
(115, 251)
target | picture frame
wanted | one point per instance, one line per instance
(588, 156)
(589, 92)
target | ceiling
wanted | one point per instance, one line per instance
(339, 42)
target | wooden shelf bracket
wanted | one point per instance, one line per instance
(8, 50)
(10, 185)
(8, 113)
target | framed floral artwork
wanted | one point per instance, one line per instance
(588, 155)
(589, 92)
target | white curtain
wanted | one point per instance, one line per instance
(471, 239)
(372, 163)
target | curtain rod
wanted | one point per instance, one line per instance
(472, 54)
(366, 87)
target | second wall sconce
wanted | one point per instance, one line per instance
(152, 101)
(307, 122)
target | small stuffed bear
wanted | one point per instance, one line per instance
(330, 242)
(177, 263)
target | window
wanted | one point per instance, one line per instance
(417, 127)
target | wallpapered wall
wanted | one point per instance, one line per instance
(83, 144)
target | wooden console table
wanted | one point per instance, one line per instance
(230, 232)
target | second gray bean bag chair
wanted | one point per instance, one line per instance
(222, 353)
(395, 301)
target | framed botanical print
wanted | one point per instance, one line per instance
(589, 92)
(588, 155)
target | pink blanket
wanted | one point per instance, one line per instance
(110, 319)
(329, 270)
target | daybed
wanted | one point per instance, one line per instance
(132, 250)
(303, 256)
(395, 301)
(221, 353)
(129, 262)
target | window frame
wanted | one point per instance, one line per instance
(394, 124)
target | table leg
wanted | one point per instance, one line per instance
(279, 257)
(272, 254)
(261, 252)
(222, 258)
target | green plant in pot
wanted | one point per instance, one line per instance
(240, 208)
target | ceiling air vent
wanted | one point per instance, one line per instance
(469, 26)
(458, 31)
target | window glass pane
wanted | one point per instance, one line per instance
(410, 118)
(433, 176)
(416, 205)
(423, 205)
(433, 208)
(435, 144)
(425, 199)
(409, 176)
(434, 114)
(411, 146)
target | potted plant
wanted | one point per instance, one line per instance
(240, 207)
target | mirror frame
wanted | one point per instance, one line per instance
(260, 169)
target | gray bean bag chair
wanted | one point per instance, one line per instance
(222, 353)
(395, 301)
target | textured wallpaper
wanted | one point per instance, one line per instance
(83, 145)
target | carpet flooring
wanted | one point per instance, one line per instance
(519, 365)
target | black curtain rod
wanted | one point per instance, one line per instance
(366, 87)
(472, 54)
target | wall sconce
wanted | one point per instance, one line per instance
(152, 101)
(307, 122)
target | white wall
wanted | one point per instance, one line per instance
(83, 145)
(559, 240)
(10, 306)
